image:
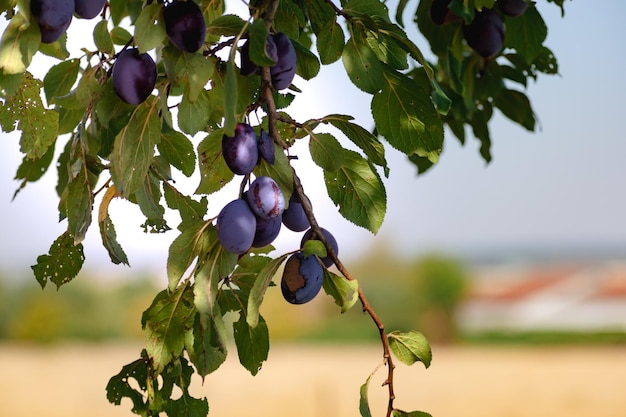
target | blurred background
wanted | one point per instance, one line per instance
(515, 271)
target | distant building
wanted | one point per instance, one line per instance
(564, 297)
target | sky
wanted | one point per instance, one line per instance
(558, 187)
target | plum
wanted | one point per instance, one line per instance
(485, 34)
(302, 278)
(284, 71)
(240, 152)
(327, 261)
(439, 10)
(513, 8)
(88, 9)
(52, 16)
(185, 25)
(134, 76)
(236, 227)
(247, 66)
(294, 217)
(267, 231)
(265, 198)
(266, 149)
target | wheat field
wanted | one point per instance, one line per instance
(324, 381)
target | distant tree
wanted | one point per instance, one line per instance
(440, 286)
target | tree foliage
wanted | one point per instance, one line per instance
(112, 149)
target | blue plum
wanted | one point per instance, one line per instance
(88, 9)
(52, 16)
(133, 76)
(248, 67)
(439, 11)
(513, 8)
(294, 217)
(302, 278)
(185, 25)
(266, 148)
(236, 227)
(329, 238)
(267, 231)
(485, 34)
(265, 198)
(285, 69)
(240, 151)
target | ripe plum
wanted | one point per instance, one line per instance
(267, 231)
(485, 34)
(329, 238)
(247, 66)
(302, 278)
(266, 148)
(88, 9)
(285, 69)
(52, 16)
(185, 25)
(439, 10)
(240, 151)
(236, 226)
(134, 76)
(513, 8)
(294, 217)
(265, 198)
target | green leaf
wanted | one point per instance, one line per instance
(165, 322)
(31, 170)
(120, 385)
(62, 263)
(367, 8)
(387, 50)
(214, 173)
(479, 4)
(102, 38)
(56, 49)
(18, 44)
(307, 64)
(187, 406)
(149, 27)
(405, 116)
(344, 291)
(362, 65)
(110, 243)
(253, 343)
(191, 71)
(364, 406)
(179, 151)
(60, 79)
(38, 125)
(516, 106)
(120, 36)
(257, 292)
(226, 25)
(400, 413)
(184, 249)
(148, 198)
(320, 13)
(190, 210)
(326, 151)
(288, 19)
(410, 347)
(314, 247)
(358, 191)
(330, 43)
(209, 350)
(79, 204)
(258, 36)
(134, 147)
(366, 141)
(194, 116)
(526, 33)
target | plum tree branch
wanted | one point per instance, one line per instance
(273, 118)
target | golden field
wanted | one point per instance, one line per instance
(324, 380)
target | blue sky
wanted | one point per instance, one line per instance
(561, 186)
